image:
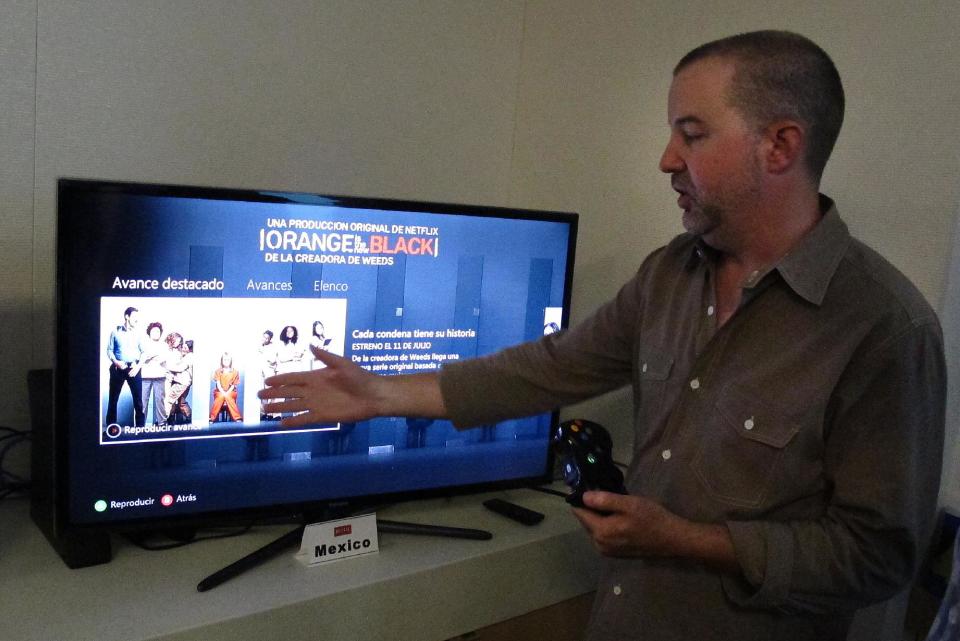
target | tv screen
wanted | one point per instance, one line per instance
(175, 303)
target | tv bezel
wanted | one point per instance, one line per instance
(297, 511)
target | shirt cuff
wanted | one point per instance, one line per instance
(764, 551)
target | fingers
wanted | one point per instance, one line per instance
(605, 501)
(282, 391)
(293, 378)
(302, 415)
(325, 357)
(285, 405)
(587, 518)
(597, 527)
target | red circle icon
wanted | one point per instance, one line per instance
(166, 500)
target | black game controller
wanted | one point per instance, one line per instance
(585, 450)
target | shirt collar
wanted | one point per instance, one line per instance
(809, 266)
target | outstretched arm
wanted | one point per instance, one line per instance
(344, 391)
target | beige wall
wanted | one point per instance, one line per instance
(554, 104)
(17, 68)
(592, 120)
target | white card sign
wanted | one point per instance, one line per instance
(340, 539)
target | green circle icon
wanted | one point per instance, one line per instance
(100, 506)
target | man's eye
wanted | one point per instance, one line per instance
(690, 137)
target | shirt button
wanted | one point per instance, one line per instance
(710, 311)
(644, 368)
(617, 590)
(748, 424)
(666, 454)
(695, 383)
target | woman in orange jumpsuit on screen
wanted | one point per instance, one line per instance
(226, 379)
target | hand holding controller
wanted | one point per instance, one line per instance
(585, 450)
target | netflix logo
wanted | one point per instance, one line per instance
(342, 530)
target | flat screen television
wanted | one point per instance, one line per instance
(175, 302)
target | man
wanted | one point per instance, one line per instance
(788, 382)
(124, 349)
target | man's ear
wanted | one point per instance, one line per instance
(784, 143)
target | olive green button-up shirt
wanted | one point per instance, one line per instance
(810, 424)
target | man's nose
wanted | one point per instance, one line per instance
(670, 161)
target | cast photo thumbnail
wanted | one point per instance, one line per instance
(190, 367)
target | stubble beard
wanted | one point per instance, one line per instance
(701, 218)
(710, 217)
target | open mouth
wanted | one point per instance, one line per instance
(683, 200)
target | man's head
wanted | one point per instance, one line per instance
(743, 131)
(781, 75)
(131, 316)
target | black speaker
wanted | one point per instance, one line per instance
(77, 547)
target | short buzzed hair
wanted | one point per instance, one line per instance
(779, 75)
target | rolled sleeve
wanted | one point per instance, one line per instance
(765, 554)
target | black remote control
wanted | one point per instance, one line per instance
(513, 511)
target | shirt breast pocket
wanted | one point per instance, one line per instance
(654, 365)
(652, 377)
(653, 371)
(741, 447)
